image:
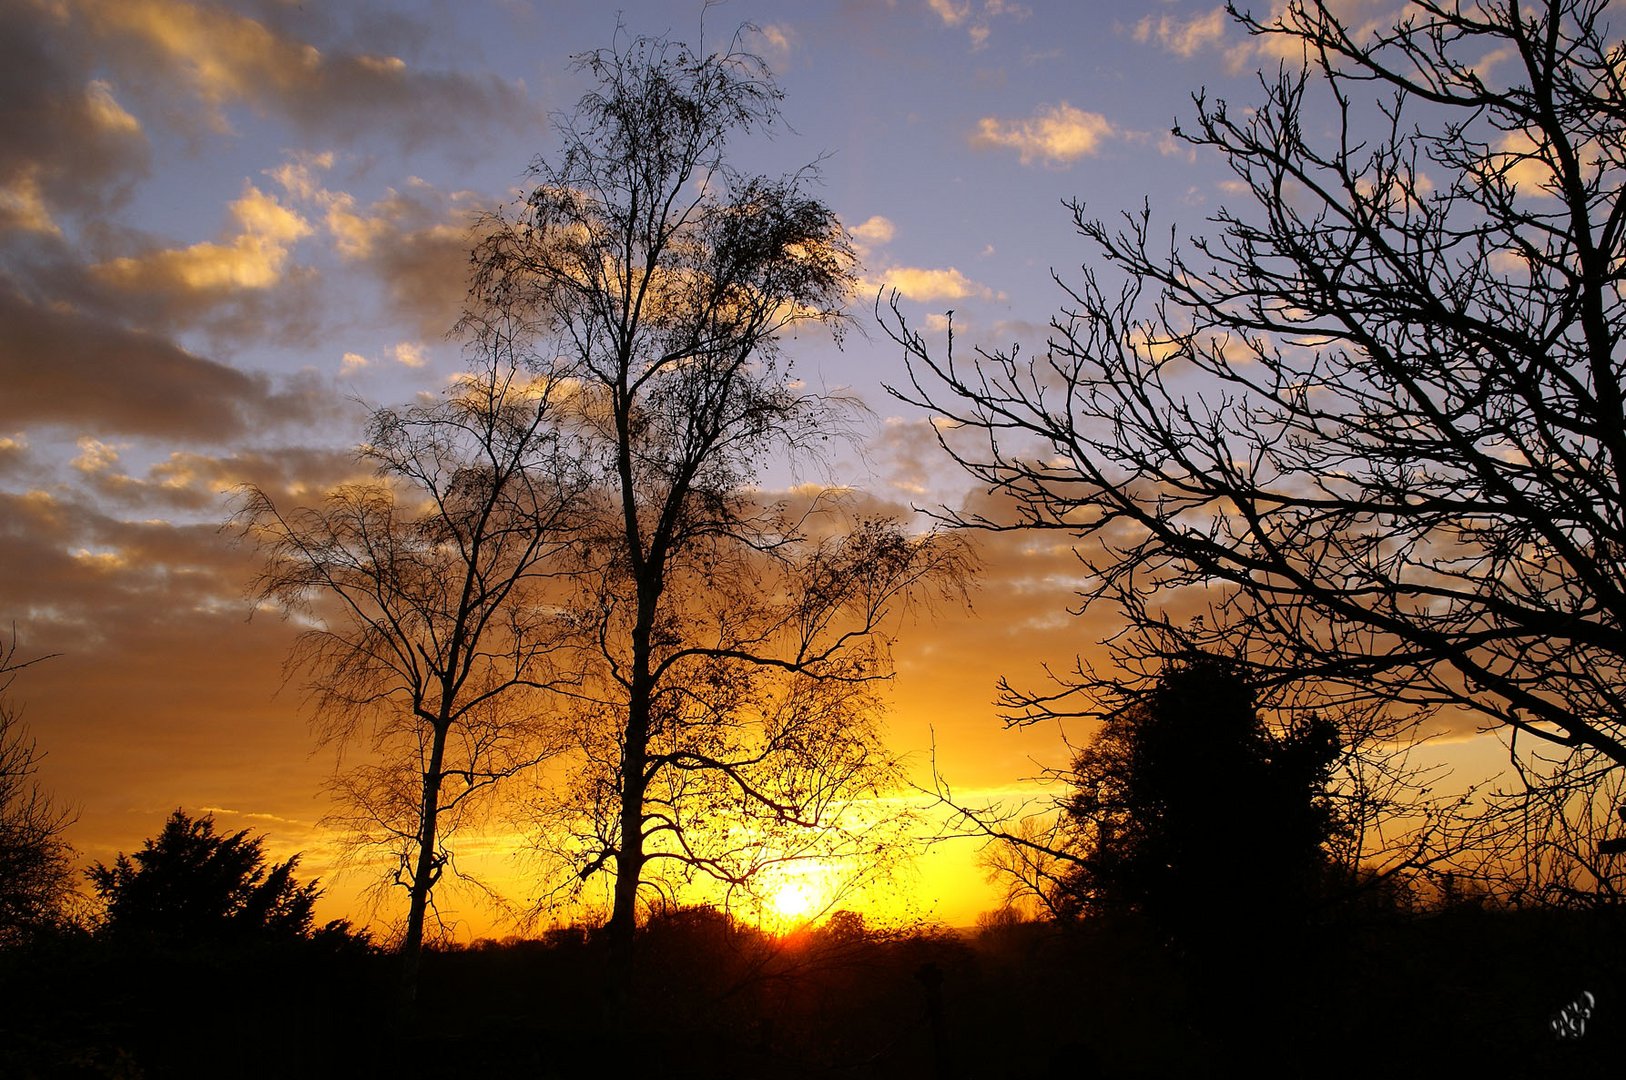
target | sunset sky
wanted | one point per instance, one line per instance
(228, 229)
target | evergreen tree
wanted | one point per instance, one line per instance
(192, 885)
(1191, 812)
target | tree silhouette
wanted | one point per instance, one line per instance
(36, 861)
(435, 639)
(726, 718)
(1187, 809)
(191, 885)
(1377, 417)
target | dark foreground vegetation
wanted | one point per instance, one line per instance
(1438, 994)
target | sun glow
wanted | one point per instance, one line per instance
(794, 898)
(795, 901)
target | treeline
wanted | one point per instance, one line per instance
(1446, 993)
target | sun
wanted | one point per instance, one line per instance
(792, 898)
(794, 901)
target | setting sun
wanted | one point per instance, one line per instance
(795, 901)
(795, 897)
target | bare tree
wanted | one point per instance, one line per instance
(1548, 836)
(1373, 424)
(733, 638)
(435, 636)
(36, 861)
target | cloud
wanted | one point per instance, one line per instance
(225, 59)
(1183, 37)
(777, 39)
(1361, 18)
(160, 694)
(190, 482)
(416, 240)
(246, 285)
(254, 258)
(77, 369)
(916, 283)
(1170, 146)
(908, 456)
(13, 452)
(298, 175)
(69, 145)
(409, 354)
(95, 456)
(874, 230)
(956, 13)
(1524, 163)
(22, 204)
(1057, 134)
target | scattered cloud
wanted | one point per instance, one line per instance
(1170, 146)
(415, 240)
(15, 443)
(226, 59)
(1361, 18)
(105, 111)
(22, 204)
(95, 456)
(1523, 162)
(77, 369)
(299, 174)
(1057, 134)
(976, 17)
(927, 285)
(409, 354)
(254, 258)
(70, 144)
(1183, 37)
(777, 39)
(874, 230)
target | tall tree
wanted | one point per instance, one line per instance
(733, 638)
(1377, 416)
(36, 860)
(434, 636)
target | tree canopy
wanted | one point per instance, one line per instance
(1186, 808)
(1370, 428)
(733, 639)
(36, 860)
(191, 885)
(432, 635)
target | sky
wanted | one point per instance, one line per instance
(228, 230)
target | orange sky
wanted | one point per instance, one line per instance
(226, 224)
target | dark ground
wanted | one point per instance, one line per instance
(1450, 994)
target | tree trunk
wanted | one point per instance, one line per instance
(629, 863)
(427, 871)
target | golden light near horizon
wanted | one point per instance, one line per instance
(793, 896)
(796, 900)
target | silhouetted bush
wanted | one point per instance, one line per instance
(190, 885)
